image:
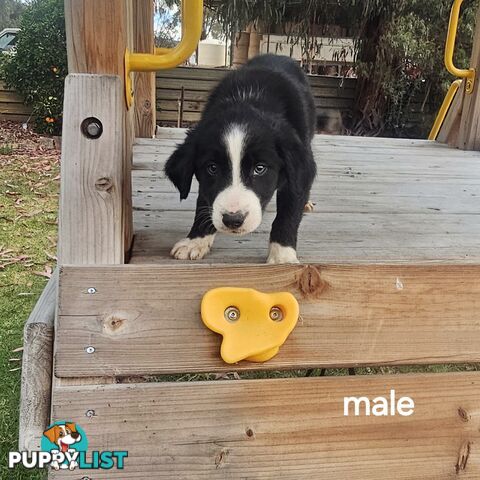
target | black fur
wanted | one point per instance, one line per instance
(279, 114)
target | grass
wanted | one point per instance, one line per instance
(28, 216)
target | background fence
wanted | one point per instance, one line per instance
(12, 106)
(332, 94)
(333, 97)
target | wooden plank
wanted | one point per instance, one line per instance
(215, 74)
(91, 229)
(14, 117)
(171, 116)
(145, 319)
(469, 129)
(174, 94)
(377, 200)
(194, 106)
(37, 365)
(14, 108)
(166, 116)
(360, 238)
(195, 84)
(90, 27)
(449, 131)
(8, 96)
(281, 428)
(145, 120)
(179, 133)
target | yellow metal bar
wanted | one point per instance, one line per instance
(442, 113)
(192, 24)
(162, 50)
(469, 74)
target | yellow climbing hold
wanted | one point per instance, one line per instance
(254, 325)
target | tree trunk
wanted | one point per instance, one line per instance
(370, 105)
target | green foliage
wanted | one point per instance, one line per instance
(10, 11)
(167, 23)
(6, 148)
(38, 68)
(399, 49)
(400, 61)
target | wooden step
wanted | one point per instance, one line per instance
(144, 319)
(283, 428)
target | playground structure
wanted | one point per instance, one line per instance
(390, 275)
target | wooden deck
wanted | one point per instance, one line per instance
(377, 200)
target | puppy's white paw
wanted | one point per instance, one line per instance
(192, 248)
(280, 254)
(309, 207)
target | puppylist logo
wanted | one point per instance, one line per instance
(64, 446)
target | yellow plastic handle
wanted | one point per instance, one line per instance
(254, 325)
(192, 24)
(450, 49)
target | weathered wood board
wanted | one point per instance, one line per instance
(12, 105)
(93, 203)
(284, 428)
(146, 319)
(377, 200)
(331, 93)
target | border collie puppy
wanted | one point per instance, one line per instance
(253, 140)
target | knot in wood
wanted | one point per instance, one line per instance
(104, 184)
(310, 282)
(113, 323)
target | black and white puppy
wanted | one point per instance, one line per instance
(253, 139)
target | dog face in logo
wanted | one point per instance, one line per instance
(63, 435)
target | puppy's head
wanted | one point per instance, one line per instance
(63, 435)
(237, 166)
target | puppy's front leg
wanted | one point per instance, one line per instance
(283, 237)
(201, 236)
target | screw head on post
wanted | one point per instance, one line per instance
(92, 128)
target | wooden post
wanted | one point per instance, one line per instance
(449, 132)
(145, 108)
(254, 41)
(98, 34)
(37, 369)
(469, 130)
(93, 175)
(181, 102)
(240, 49)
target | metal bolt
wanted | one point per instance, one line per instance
(91, 290)
(276, 314)
(232, 314)
(92, 128)
(90, 349)
(90, 413)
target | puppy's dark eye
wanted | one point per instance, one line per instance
(259, 169)
(60, 434)
(212, 169)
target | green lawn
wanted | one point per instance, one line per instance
(28, 216)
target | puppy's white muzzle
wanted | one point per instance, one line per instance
(239, 201)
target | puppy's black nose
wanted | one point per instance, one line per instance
(233, 220)
(75, 435)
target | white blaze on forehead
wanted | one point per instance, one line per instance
(236, 197)
(235, 139)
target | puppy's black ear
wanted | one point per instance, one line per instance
(180, 167)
